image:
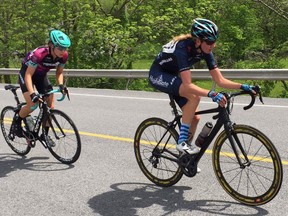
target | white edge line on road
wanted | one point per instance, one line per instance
(159, 99)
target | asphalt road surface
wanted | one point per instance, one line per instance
(106, 179)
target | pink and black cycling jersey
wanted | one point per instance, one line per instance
(43, 61)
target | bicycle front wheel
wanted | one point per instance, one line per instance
(259, 178)
(18, 144)
(64, 135)
(154, 144)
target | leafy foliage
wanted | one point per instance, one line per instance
(122, 33)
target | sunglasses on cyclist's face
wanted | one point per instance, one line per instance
(61, 48)
(209, 42)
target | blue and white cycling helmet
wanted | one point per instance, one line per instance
(204, 29)
(59, 39)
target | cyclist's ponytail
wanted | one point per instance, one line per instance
(182, 37)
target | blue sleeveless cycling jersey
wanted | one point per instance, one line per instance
(43, 61)
(181, 55)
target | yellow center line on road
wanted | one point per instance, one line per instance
(104, 136)
(208, 151)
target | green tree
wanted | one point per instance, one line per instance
(118, 33)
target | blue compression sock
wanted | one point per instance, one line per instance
(184, 133)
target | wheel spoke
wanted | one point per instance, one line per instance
(68, 145)
(18, 144)
(256, 181)
(151, 137)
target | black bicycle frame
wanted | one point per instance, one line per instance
(43, 113)
(39, 119)
(222, 119)
(34, 135)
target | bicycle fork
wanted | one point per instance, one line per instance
(235, 142)
(51, 116)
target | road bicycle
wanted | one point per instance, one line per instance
(245, 161)
(62, 132)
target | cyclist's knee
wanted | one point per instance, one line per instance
(194, 99)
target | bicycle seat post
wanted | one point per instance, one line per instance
(173, 105)
(13, 89)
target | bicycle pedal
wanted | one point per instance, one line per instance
(31, 143)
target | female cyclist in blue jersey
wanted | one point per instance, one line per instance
(170, 73)
(33, 72)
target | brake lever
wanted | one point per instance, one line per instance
(260, 97)
(67, 93)
(257, 89)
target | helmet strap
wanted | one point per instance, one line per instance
(199, 47)
(52, 50)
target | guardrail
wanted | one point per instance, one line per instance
(201, 74)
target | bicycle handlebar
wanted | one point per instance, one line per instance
(257, 91)
(55, 91)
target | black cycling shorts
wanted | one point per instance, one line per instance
(41, 83)
(166, 82)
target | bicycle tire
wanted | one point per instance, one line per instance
(261, 180)
(165, 173)
(67, 147)
(18, 144)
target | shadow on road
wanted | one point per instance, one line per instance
(11, 162)
(141, 199)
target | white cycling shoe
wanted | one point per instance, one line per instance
(187, 148)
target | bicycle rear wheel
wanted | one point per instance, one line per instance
(151, 159)
(18, 144)
(260, 179)
(64, 134)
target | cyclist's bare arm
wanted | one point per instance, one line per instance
(221, 81)
(59, 75)
(187, 88)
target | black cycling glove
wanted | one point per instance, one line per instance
(34, 97)
(63, 89)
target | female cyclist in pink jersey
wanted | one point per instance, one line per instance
(33, 72)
